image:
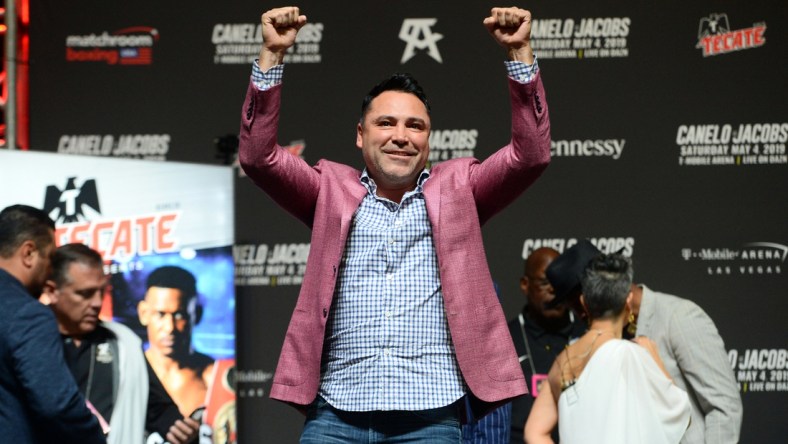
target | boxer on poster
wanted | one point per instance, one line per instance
(397, 319)
(169, 311)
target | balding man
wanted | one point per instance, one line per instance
(539, 333)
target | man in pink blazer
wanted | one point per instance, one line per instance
(343, 354)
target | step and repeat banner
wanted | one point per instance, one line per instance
(669, 128)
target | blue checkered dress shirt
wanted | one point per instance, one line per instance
(387, 339)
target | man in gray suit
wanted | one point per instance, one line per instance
(689, 345)
(694, 355)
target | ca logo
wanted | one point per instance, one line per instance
(418, 34)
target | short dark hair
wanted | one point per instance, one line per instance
(606, 283)
(65, 255)
(20, 223)
(402, 82)
(171, 276)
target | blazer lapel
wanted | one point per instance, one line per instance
(646, 315)
(432, 198)
(350, 203)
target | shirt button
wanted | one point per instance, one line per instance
(397, 222)
(391, 241)
(388, 314)
(386, 351)
(389, 276)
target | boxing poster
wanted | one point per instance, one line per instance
(165, 231)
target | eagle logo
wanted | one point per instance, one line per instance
(67, 205)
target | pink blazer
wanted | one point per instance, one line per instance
(325, 197)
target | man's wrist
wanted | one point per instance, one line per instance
(269, 58)
(523, 54)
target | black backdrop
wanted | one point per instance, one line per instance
(650, 143)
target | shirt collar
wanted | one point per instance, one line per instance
(372, 188)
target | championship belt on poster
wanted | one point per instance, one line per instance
(220, 403)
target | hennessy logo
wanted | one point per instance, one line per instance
(418, 34)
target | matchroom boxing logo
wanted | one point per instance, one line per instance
(715, 36)
(127, 46)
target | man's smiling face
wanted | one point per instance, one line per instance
(394, 139)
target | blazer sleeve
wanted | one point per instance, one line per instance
(700, 354)
(286, 178)
(50, 390)
(503, 176)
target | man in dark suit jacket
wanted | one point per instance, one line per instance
(39, 401)
(433, 316)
